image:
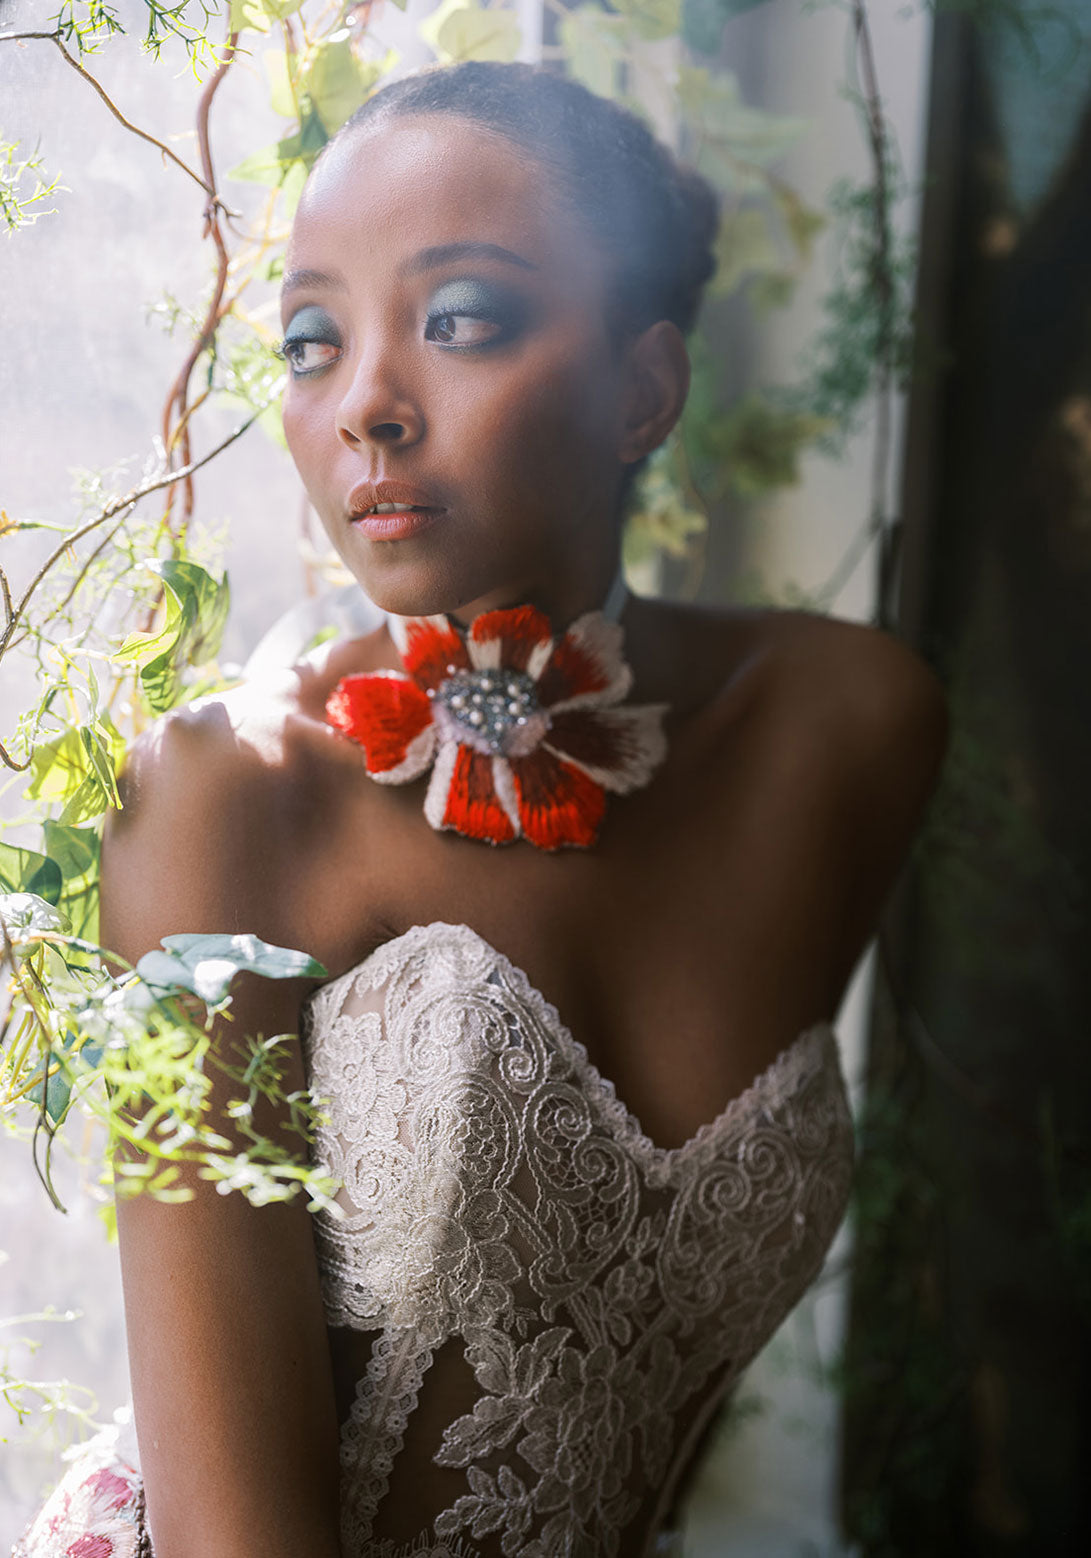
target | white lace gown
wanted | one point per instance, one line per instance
(547, 1307)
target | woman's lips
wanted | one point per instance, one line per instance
(403, 510)
(396, 526)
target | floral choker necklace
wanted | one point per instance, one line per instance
(522, 730)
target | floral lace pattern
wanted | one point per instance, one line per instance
(568, 1299)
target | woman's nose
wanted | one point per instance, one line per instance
(377, 408)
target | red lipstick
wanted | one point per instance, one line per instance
(391, 510)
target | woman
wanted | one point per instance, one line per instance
(550, 835)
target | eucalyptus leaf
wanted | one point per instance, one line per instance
(24, 913)
(206, 964)
(58, 1096)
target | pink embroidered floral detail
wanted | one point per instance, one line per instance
(523, 732)
(96, 1511)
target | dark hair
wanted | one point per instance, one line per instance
(655, 218)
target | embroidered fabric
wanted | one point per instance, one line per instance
(547, 1308)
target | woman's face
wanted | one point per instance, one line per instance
(445, 320)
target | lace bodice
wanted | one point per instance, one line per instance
(553, 1305)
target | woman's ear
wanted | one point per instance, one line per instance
(656, 388)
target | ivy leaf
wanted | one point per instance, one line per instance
(744, 246)
(461, 30)
(206, 964)
(78, 767)
(651, 19)
(23, 914)
(248, 14)
(283, 88)
(736, 142)
(76, 851)
(273, 165)
(336, 84)
(594, 46)
(196, 607)
(258, 15)
(25, 871)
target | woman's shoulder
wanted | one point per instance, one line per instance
(216, 800)
(840, 717)
(809, 667)
(248, 743)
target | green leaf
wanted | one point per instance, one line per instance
(651, 19)
(76, 853)
(58, 1091)
(802, 221)
(461, 30)
(744, 246)
(213, 602)
(248, 14)
(206, 964)
(196, 608)
(759, 444)
(594, 46)
(78, 768)
(258, 15)
(282, 88)
(336, 83)
(273, 165)
(736, 143)
(57, 767)
(25, 871)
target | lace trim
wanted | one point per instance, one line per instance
(805, 1056)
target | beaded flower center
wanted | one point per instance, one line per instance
(492, 705)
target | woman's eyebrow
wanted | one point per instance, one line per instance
(447, 253)
(294, 279)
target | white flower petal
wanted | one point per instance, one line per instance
(600, 641)
(439, 786)
(418, 757)
(504, 784)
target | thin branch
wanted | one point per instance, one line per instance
(179, 390)
(144, 135)
(128, 501)
(9, 762)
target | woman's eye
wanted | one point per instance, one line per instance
(461, 330)
(311, 341)
(308, 356)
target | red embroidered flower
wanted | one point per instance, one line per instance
(524, 732)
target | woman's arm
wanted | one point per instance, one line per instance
(231, 1377)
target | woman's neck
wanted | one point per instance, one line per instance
(561, 601)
